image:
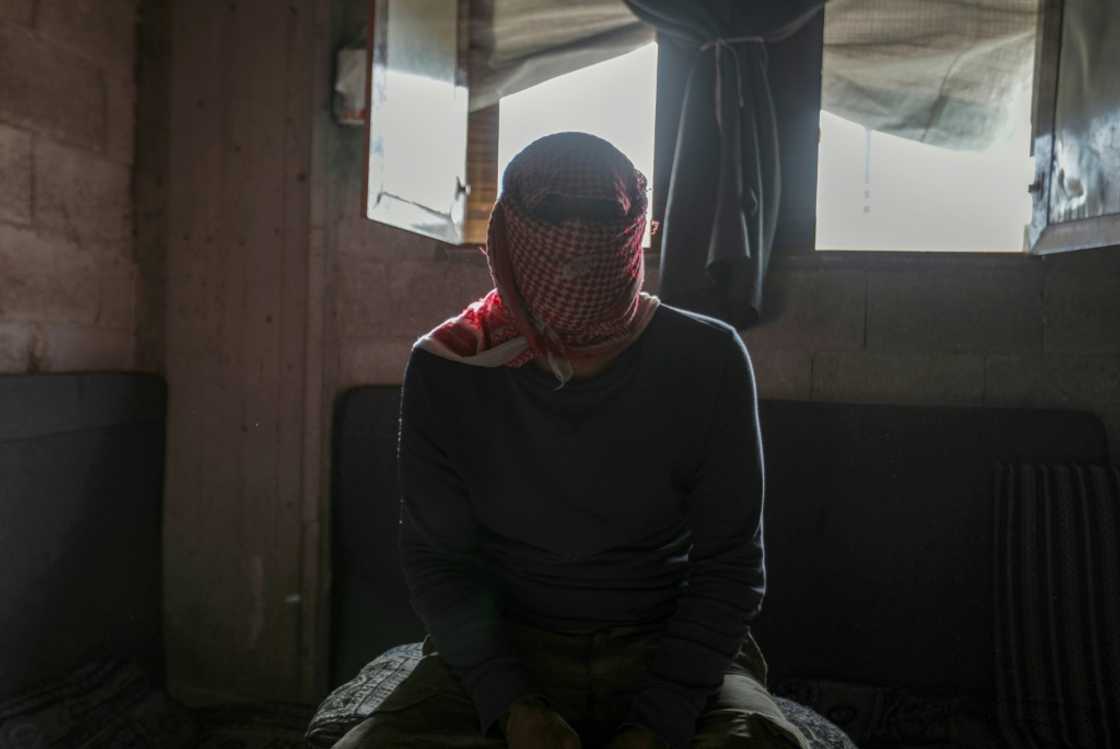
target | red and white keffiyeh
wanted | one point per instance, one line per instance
(564, 248)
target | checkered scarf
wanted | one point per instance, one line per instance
(565, 253)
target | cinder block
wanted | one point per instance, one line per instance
(50, 90)
(102, 30)
(1099, 260)
(120, 117)
(424, 294)
(22, 250)
(366, 361)
(117, 301)
(1083, 312)
(47, 278)
(974, 309)
(1077, 381)
(364, 308)
(811, 311)
(81, 195)
(1084, 381)
(74, 348)
(354, 234)
(19, 12)
(898, 378)
(50, 297)
(783, 375)
(1016, 381)
(15, 175)
(16, 345)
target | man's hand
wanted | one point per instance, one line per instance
(637, 737)
(533, 726)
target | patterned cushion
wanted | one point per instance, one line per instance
(355, 700)
(99, 705)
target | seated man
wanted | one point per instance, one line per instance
(581, 525)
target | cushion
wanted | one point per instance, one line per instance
(355, 700)
(98, 705)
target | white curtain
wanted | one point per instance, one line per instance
(938, 71)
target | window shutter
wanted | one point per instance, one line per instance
(1077, 105)
(417, 129)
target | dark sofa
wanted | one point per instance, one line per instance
(81, 653)
(879, 531)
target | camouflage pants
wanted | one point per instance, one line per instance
(590, 679)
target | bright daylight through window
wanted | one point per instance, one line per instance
(613, 99)
(881, 192)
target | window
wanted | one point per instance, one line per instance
(925, 128)
(612, 99)
(434, 167)
(882, 192)
(1044, 182)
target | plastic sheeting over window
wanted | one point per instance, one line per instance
(936, 71)
(516, 44)
(942, 72)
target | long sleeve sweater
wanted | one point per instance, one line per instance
(634, 496)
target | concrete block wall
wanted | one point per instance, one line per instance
(68, 276)
(969, 330)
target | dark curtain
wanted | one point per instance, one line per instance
(1057, 604)
(725, 182)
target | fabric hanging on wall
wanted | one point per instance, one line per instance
(943, 72)
(516, 44)
(1057, 604)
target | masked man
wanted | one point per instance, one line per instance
(581, 524)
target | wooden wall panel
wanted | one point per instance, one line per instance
(239, 349)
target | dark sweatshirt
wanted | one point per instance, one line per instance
(634, 496)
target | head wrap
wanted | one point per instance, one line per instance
(564, 248)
